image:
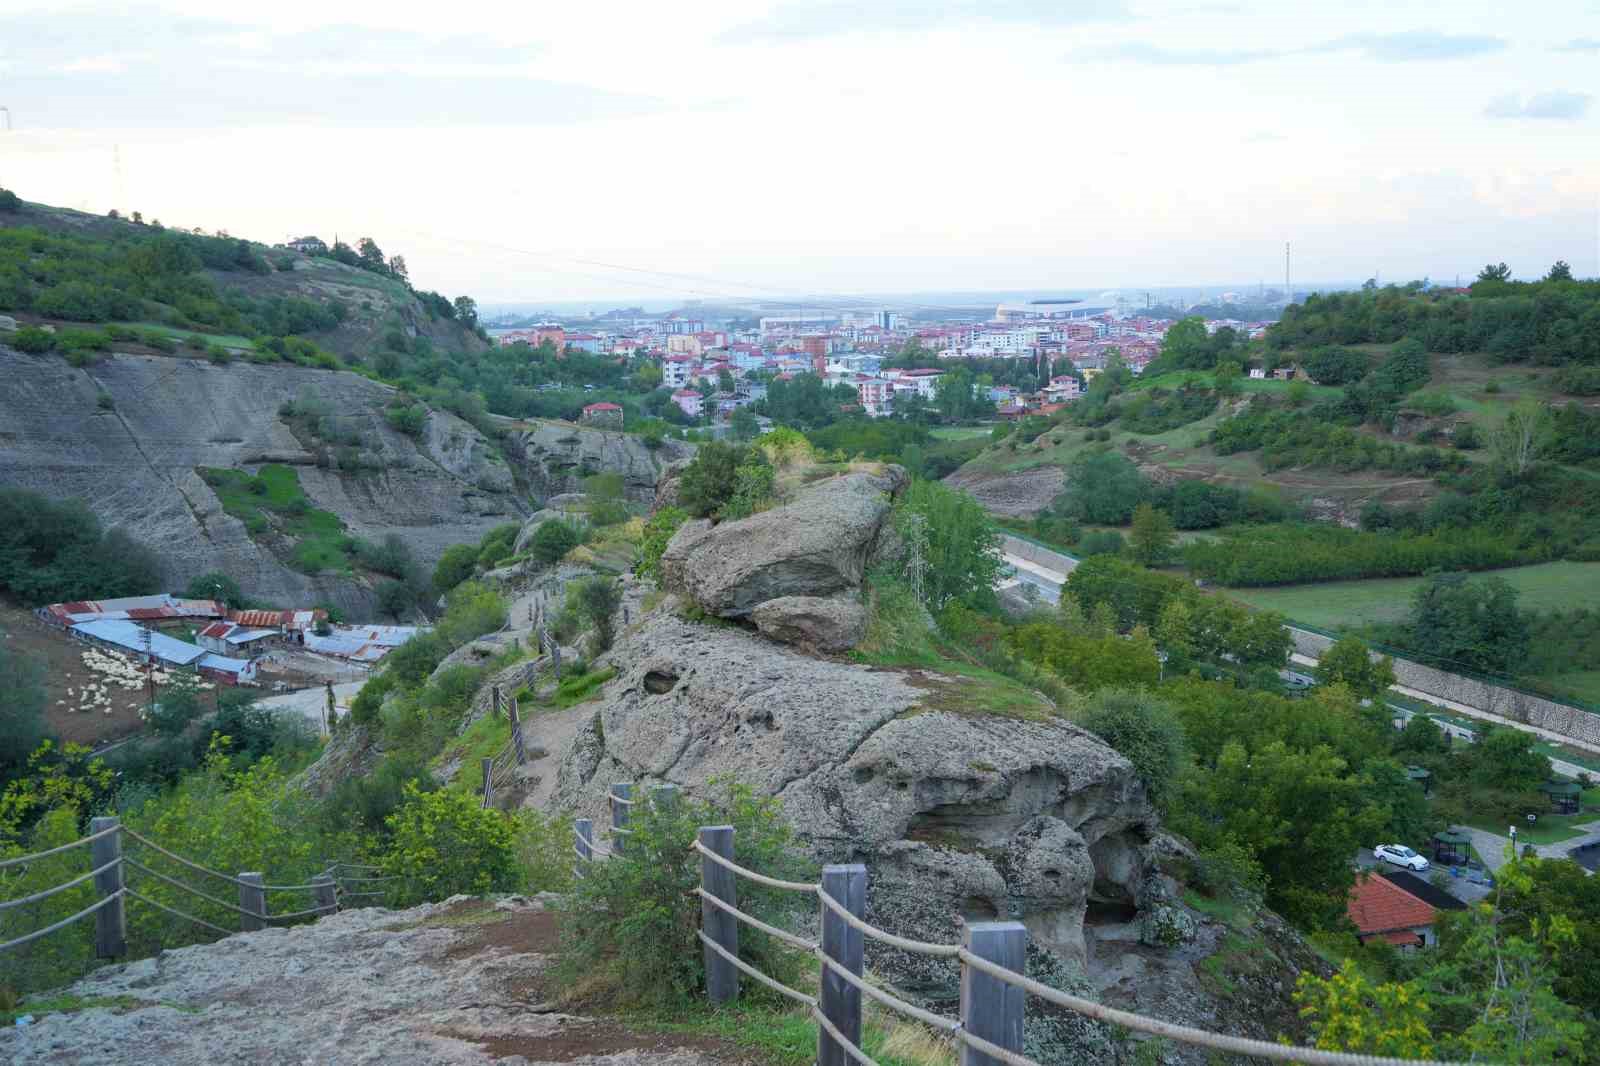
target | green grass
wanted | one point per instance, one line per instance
(580, 688)
(961, 432)
(482, 740)
(1351, 604)
(272, 502)
(780, 1036)
(1549, 829)
(226, 340)
(66, 1004)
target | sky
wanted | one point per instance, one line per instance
(644, 151)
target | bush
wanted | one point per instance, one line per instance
(554, 539)
(1146, 731)
(657, 535)
(10, 202)
(598, 600)
(497, 544)
(711, 479)
(410, 420)
(459, 562)
(629, 926)
(215, 585)
(445, 843)
(33, 340)
(1101, 542)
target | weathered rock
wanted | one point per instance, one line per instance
(8, 323)
(419, 987)
(812, 623)
(557, 456)
(668, 484)
(1023, 492)
(958, 814)
(816, 544)
(136, 465)
(352, 752)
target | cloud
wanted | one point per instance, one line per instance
(1156, 56)
(77, 71)
(1413, 46)
(1579, 44)
(791, 22)
(1554, 105)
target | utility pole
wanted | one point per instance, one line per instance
(149, 667)
(1288, 289)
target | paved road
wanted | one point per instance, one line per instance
(309, 702)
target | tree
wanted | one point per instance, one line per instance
(397, 267)
(1147, 731)
(1227, 378)
(1151, 538)
(710, 479)
(745, 426)
(371, 256)
(395, 598)
(963, 546)
(1350, 663)
(215, 586)
(22, 701)
(598, 600)
(466, 311)
(1559, 272)
(1522, 437)
(725, 380)
(1504, 759)
(1101, 487)
(1349, 1012)
(177, 704)
(1495, 272)
(10, 202)
(1474, 624)
(554, 539)
(459, 562)
(1187, 346)
(1389, 787)
(445, 842)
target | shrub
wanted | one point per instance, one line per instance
(10, 202)
(598, 600)
(1146, 731)
(657, 535)
(445, 843)
(711, 479)
(410, 420)
(33, 340)
(629, 926)
(105, 402)
(459, 562)
(1101, 542)
(554, 539)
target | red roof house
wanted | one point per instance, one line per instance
(1381, 909)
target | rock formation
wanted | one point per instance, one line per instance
(136, 463)
(557, 456)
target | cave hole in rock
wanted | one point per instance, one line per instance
(659, 682)
(1109, 912)
(977, 909)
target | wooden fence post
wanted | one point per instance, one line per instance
(488, 781)
(324, 893)
(845, 884)
(516, 731)
(622, 790)
(252, 898)
(110, 921)
(992, 1008)
(495, 691)
(583, 829)
(722, 978)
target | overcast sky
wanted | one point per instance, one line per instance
(533, 151)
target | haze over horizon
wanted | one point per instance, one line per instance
(633, 152)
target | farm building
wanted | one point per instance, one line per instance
(146, 645)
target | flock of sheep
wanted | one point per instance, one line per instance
(113, 670)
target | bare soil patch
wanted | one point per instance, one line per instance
(584, 1039)
(61, 657)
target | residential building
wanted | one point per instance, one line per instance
(684, 344)
(1062, 389)
(676, 370)
(586, 342)
(1382, 910)
(876, 394)
(689, 401)
(604, 415)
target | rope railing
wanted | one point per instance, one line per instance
(109, 870)
(80, 842)
(991, 958)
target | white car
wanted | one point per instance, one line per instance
(1400, 855)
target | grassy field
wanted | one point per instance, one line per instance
(273, 502)
(960, 432)
(227, 340)
(1338, 604)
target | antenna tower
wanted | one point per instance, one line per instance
(1288, 289)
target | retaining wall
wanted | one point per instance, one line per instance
(1524, 707)
(1037, 553)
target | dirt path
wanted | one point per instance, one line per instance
(464, 983)
(554, 731)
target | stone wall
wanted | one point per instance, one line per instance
(1507, 703)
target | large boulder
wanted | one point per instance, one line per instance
(813, 623)
(960, 814)
(815, 545)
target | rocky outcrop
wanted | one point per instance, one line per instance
(459, 983)
(556, 456)
(814, 545)
(135, 463)
(813, 623)
(959, 813)
(1021, 493)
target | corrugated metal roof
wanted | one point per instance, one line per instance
(223, 664)
(127, 635)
